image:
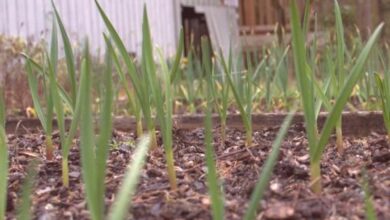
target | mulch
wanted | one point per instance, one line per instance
(288, 195)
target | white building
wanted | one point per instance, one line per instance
(32, 19)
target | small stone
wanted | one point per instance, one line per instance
(156, 210)
(49, 207)
(301, 172)
(153, 173)
(275, 186)
(206, 201)
(381, 155)
(279, 211)
(198, 185)
(353, 172)
(74, 174)
(44, 191)
(304, 158)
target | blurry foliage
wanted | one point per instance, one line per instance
(348, 12)
(13, 77)
(12, 73)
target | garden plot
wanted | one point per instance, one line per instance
(77, 160)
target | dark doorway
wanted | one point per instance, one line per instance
(194, 27)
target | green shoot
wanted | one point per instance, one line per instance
(140, 84)
(368, 200)
(244, 100)
(269, 165)
(105, 125)
(383, 84)
(45, 118)
(384, 90)
(317, 142)
(3, 159)
(179, 53)
(221, 87)
(215, 189)
(164, 112)
(340, 69)
(191, 87)
(25, 202)
(69, 57)
(126, 191)
(87, 145)
(281, 73)
(94, 155)
(134, 105)
(56, 98)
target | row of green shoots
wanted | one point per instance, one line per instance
(153, 84)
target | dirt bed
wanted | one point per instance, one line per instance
(288, 196)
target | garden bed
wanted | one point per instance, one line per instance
(288, 197)
(354, 123)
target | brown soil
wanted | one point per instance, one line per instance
(288, 196)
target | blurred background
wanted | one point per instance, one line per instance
(239, 25)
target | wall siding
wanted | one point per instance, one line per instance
(33, 20)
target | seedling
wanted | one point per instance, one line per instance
(243, 94)
(140, 84)
(317, 141)
(384, 89)
(215, 191)
(220, 90)
(368, 200)
(164, 110)
(340, 70)
(191, 87)
(69, 58)
(24, 210)
(267, 169)
(120, 206)
(383, 85)
(94, 155)
(214, 186)
(3, 159)
(45, 117)
(57, 99)
(133, 103)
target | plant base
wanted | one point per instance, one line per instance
(315, 177)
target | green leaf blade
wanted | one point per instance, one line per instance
(266, 173)
(354, 76)
(120, 207)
